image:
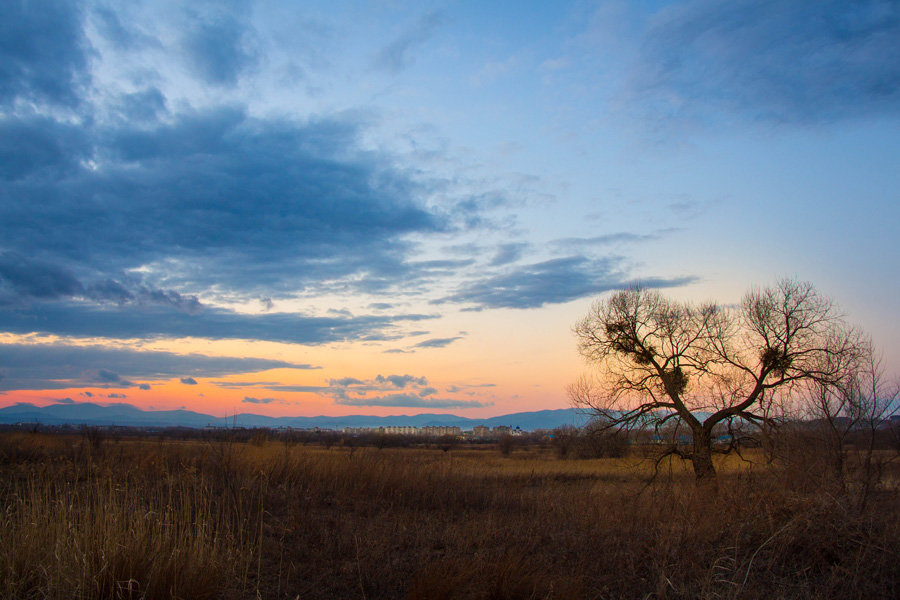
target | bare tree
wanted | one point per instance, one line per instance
(847, 413)
(833, 408)
(688, 371)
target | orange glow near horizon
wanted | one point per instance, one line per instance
(503, 367)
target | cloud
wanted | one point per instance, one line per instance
(442, 264)
(144, 106)
(105, 376)
(144, 386)
(437, 342)
(249, 400)
(401, 381)
(607, 239)
(206, 198)
(410, 401)
(43, 52)
(115, 221)
(469, 386)
(508, 253)
(793, 61)
(64, 401)
(398, 54)
(298, 388)
(345, 381)
(552, 282)
(217, 196)
(382, 391)
(114, 395)
(60, 366)
(83, 319)
(23, 279)
(188, 381)
(236, 385)
(217, 47)
(123, 35)
(38, 146)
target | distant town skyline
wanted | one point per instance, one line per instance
(336, 208)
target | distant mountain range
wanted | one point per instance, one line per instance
(88, 413)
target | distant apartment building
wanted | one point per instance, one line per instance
(481, 432)
(400, 430)
(441, 431)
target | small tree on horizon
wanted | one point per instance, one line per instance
(683, 369)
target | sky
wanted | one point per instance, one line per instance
(328, 208)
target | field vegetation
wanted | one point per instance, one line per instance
(89, 516)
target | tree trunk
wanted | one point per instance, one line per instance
(701, 458)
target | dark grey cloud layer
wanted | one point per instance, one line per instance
(43, 52)
(24, 280)
(153, 321)
(218, 195)
(111, 219)
(58, 366)
(780, 60)
(145, 209)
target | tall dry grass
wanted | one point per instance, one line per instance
(147, 519)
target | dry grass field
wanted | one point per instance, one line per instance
(147, 518)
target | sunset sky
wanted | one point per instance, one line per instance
(326, 208)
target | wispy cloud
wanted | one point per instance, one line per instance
(399, 53)
(609, 239)
(552, 282)
(437, 342)
(785, 61)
